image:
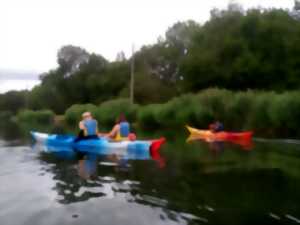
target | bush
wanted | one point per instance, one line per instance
(108, 111)
(73, 114)
(259, 117)
(239, 108)
(215, 101)
(175, 113)
(36, 117)
(147, 117)
(266, 113)
(285, 114)
(5, 115)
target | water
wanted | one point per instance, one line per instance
(188, 183)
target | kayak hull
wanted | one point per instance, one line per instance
(220, 136)
(99, 146)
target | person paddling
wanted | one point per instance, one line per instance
(121, 130)
(219, 126)
(216, 127)
(88, 127)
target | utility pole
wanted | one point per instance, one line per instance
(132, 77)
(27, 97)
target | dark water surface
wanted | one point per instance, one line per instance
(188, 183)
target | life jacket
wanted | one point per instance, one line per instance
(124, 129)
(91, 126)
(123, 132)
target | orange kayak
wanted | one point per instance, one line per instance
(220, 136)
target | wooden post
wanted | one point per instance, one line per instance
(132, 77)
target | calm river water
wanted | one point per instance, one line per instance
(188, 183)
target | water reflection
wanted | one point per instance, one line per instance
(217, 147)
(80, 177)
(87, 166)
(194, 186)
(97, 175)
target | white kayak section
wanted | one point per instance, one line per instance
(40, 137)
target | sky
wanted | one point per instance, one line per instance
(32, 31)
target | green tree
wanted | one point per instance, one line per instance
(13, 101)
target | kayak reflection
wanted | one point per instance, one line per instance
(218, 146)
(98, 172)
(87, 165)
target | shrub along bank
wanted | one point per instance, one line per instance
(36, 117)
(268, 114)
(106, 113)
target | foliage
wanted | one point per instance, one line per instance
(73, 114)
(239, 50)
(5, 116)
(108, 111)
(146, 116)
(285, 113)
(13, 101)
(36, 117)
(266, 113)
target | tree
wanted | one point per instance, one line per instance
(121, 57)
(68, 84)
(13, 101)
(70, 58)
(241, 50)
(297, 5)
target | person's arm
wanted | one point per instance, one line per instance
(114, 131)
(82, 127)
(97, 130)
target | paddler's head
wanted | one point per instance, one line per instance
(86, 115)
(121, 118)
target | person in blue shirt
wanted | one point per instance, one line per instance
(216, 126)
(219, 126)
(88, 127)
(121, 130)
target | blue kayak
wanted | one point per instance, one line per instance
(98, 145)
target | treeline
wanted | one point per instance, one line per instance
(235, 50)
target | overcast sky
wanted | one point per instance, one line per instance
(33, 30)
